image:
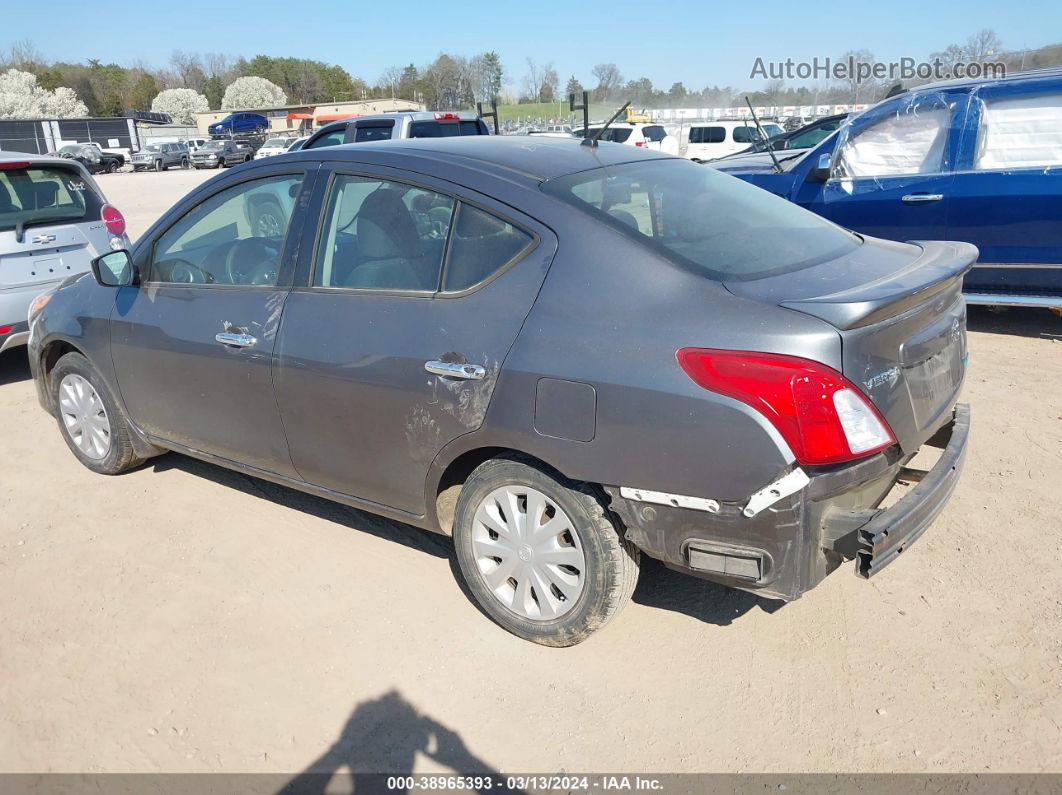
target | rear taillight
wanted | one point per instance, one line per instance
(822, 416)
(5, 330)
(640, 143)
(447, 117)
(14, 165)
(113, 220)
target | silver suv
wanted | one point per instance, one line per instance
(388, 126)
(53, 220)
(160, 157)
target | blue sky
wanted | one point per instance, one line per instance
(664, 40)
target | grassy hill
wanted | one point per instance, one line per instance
(551, 110)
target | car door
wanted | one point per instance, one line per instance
(892, 168)
(1007, 194)
(192, 345)
(392, 343)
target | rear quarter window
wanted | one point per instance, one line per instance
(45, 194)
(707, 135)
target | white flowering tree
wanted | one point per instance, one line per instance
(181, 104)
(21, 97)
(253, 92)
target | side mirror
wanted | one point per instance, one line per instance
(821, 171)
(115, 269)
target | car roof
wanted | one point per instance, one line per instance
(1018, 77)
(12, 156)
(537, 158)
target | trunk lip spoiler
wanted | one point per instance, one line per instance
(868, 303)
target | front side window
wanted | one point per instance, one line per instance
(713, 224)
(745, 135)
(235, 237)
(1020, 132)
(333, 138)
(382, 235)
(907, 141)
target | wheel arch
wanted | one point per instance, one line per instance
(51, 353)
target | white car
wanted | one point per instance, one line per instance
(54, 220)
(274, 146)
(646, 136)
(715, 139)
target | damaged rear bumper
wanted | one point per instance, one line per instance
(787, 548)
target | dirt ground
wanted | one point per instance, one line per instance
(186, 618)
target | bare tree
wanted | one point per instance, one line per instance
(608, 80)
(983, 45)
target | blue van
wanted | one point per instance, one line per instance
(240, 123)
(976, 161)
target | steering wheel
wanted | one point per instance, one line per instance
(252, 260)
(181, 271)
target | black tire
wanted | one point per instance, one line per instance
(113, 166)
(159, 166)
(611, 563)
(185, 163)
(120, 456)
(221, 162)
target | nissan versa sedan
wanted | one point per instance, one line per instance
(564, 356)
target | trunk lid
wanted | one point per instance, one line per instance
(899, 310)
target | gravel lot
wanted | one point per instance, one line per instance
(186, 618)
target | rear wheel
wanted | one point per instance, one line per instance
(93, 425)
(540, 553)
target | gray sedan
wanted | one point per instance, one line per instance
(565, 356)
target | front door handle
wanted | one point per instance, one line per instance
(468, 372)
(914, 198)
(236, 340)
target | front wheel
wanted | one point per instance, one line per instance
(158, 165)
(185, 163)
(113, 167)
(93, 425)
(540, 553)
(221, 163)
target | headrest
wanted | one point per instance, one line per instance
(385, 227)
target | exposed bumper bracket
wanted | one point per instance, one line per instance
(771, 493)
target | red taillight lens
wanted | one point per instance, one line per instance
(113, 220)
(5, 330)
(822, 416)
(14, 165)
(640, 143)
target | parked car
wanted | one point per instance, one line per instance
(92, 157)
(388, 126)
(799, 140)
(298, 143)
(239, 123)
(645, 136)
(624, 353)
(193, 144)
(53, 220)
(553, 131)
(716, 139)
(274, 146)
(976, 161)
(219, 154)
(160, 157)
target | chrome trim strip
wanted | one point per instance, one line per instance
(1036, 265)
(1004, 299)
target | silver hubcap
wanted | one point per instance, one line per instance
(84, 416)
(528, 553)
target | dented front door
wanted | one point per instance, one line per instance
(366, 400)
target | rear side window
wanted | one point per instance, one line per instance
(333, 138)
(707, 135)
(713, 224)
(482, 245)
(1020, 132)
(45, 194)
(382, 235)
(474, 127)
(615, 134)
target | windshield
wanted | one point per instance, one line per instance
(212, 145)
(276, 143)
(715, 224)
(44, 194)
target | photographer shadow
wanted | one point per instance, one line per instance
(380, 741)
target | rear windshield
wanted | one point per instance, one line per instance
(713, 223)
(446, 129)
(45, 194)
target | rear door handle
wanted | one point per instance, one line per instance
(914, 198)
(236, 340)
(468, 372)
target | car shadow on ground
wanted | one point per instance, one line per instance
(1016, 321)
(384, 736)
(14, 366)
(658, 586)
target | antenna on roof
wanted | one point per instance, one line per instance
(585, 108)
(493, 113)
(597, 136)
